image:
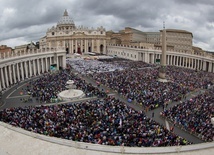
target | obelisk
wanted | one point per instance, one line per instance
(162, 69)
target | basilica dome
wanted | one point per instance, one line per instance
(65, 20)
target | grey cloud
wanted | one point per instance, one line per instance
(194, 2)
(33, 17)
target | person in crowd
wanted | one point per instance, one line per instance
(195, 115)
(105, 121)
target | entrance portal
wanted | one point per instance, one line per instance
(101, 49)
(79, 50)
(67, 50)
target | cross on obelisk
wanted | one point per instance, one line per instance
(162, 69)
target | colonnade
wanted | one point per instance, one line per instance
(81, 45)
(22, 52)
(16, 70)
(185, 60)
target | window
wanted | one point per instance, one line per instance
(52, 33)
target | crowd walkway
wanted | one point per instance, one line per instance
(156, 112)
(181, 132)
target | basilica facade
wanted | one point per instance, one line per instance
(75, 39)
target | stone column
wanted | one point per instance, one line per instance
(210, 67)
(153, 61)
(49, 62)
(213, 67)
(26, 68)
(76, 46)
(147, 57)
(6, 76)
(104, 47)
(2, 78)
(191, 63)
(34, 68)
(10, 74)
(85, 46)
(188, 62)
(57, 61)
(63, 62)
(14, 74)
(81, 46)
(184, 61)
(204, 65)
(46, 64)
(69, 46)
(18, 71)
(168, 60)
(22, 70)
(87, 42)
(30, 67)
(179, 61)
(72, 46)
(173, 60)
(92, 45)
(98, 45)
(197, 64)
(43, 68)
(38, 66)
(200, 64)
(162, 70)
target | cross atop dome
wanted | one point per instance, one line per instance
(65, 20)
(65, 13)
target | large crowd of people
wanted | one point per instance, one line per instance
(195, 115)
(190, 78)
(92, 66)
(142, 85)
(105, 65)
(47, 87)
(106, 121)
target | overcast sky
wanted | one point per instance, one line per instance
(23, 21)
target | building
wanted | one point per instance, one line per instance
(127, 36)
(4, 50)
(178, 40)
(74, 39)
(24, 48)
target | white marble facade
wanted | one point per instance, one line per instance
(75, 39)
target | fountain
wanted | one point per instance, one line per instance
(71, 93)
